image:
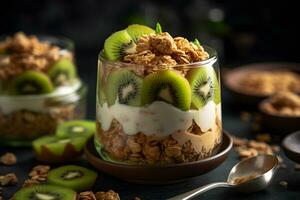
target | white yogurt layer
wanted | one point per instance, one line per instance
(9, 104)
(158, 117)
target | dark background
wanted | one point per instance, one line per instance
(242, 31)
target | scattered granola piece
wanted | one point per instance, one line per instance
(8, 159)
(245, 116)
(264, 137)
(297, 167)
(283, 184)
(87, 195)
(8, 179)
(137, 198)
(109, 195)
(37, 175)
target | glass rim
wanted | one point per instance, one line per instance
(63, 42)
(212, 58)
(81, 90)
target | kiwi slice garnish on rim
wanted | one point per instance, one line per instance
(136, 31)
(123, 86)
(62, 72)
(30, 83)
(76, 128)
(72, 176)
(204, 85)
(118, 45)
(45, 192)
(168, 86)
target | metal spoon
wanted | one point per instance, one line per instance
(256, 172)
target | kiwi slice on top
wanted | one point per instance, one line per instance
(124, 86)
(45, 192)
(72, 176)
(136, 31)
(168, 86)
(29, 83)
(118, 45)
(76, 128)
(205, 86)
(62, 72)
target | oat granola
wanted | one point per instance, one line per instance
(109, 195)
(8, 159)
(8, 179)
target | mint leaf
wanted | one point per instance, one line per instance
(197, 43)
(158, 28)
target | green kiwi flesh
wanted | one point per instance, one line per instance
(204, 85)
(168, 86)
(136, 31)
(73, 177)
(124, 86)
(62, 72)
(57, 145)
(30, 83)
(119, 44)
(45, 192)
(76, 128)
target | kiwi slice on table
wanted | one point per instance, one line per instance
(62, 72)
(72, 176)
(45, 192)
(118, 45)
(205, 86)
(52, 149)
(76, 128)
(136, 31)
(124, 86)
(168, 86)
(29, 83)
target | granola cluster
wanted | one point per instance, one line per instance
(89, 195)
(8, 159)
(163, 51)
(37, 175)
(29, 124)
(283, 103)
(21, 53)
(270, 82)
(8, 179)
(142, 149)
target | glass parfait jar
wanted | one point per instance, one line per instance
(26, 117)
(158, 115)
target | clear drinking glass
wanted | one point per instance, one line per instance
(26, 117)
(154, 128)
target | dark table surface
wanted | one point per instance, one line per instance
(231, 123)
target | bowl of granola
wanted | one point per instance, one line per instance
(250, 84)
(158, 99)
(39, 87)
(281, 113)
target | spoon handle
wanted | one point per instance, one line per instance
(200, 190)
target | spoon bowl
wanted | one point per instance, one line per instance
(250, 175)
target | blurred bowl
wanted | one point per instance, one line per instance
(291, 146)
(162, 174)
(232, 78)
(278, 124)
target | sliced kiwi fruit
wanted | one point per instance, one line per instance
(45, 192)
(29, 83)
(72, 176)
(62, 72)
(51, 149)
(76, 128)
(168, 86)
(204, 85)
(124, 86)
(136, 31)
(118, 45)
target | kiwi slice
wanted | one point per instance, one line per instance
(118, 45)
(72, 176)
(205, 86)
(76, 128)
(124, 86)
(29, 83)
(136, 31)
(168, 86)
(45, 192)
(62, 72)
